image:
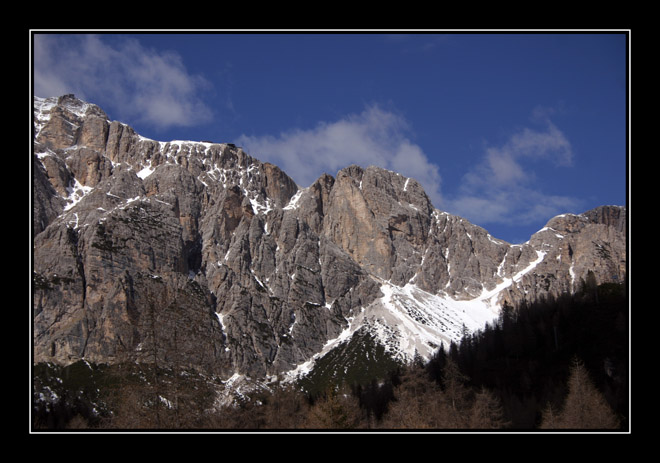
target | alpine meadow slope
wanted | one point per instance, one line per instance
(190, 251)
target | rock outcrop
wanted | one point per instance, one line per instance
(197, 252)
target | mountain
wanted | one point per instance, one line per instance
(196, 252)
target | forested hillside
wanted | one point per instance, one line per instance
(533, 357)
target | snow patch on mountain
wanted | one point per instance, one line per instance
(491, 295)
(410, 323)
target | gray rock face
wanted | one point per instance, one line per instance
(196, 252)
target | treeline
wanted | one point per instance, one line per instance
(556, 364)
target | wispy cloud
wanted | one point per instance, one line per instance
(135, 82)
(504, 188)
(373, 137)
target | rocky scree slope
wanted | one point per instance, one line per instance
(197, 253)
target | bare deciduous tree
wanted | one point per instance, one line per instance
(584, 408)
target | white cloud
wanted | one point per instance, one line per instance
(503, 187)
(373, 137)
(137, 83)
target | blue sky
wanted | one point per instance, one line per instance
(504, 129)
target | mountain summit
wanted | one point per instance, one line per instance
(161, 251)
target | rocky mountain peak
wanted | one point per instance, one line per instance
(256, 275)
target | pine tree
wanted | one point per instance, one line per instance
(437, 363)
(506, 316)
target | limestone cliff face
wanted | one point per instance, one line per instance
(163, 251)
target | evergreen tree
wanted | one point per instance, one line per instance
(506, 316)
(436, 364)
